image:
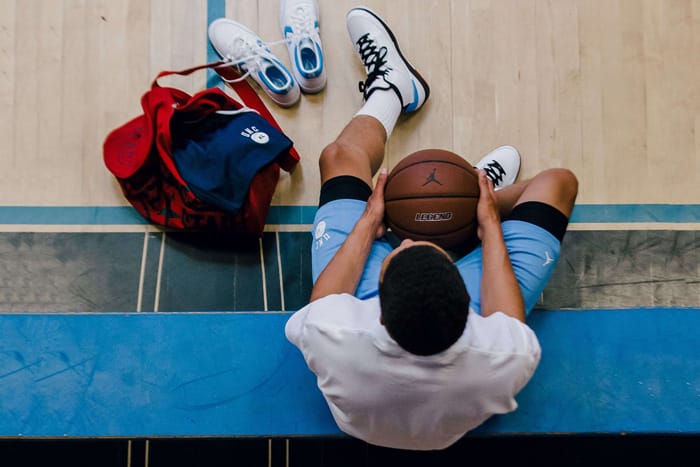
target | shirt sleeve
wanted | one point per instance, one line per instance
(525, 345)
(513, 347)
(335, 311)
(294, 329)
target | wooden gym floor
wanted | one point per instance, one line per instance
(606, 88)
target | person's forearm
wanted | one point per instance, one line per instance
(343, 272)
(499, 287)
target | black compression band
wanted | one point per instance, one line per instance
(542, 215)
(344, 187)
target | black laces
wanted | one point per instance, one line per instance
(374, 60)
(495, 172)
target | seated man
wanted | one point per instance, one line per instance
(411, 350)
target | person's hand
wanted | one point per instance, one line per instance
(487, 208)
(374, 212)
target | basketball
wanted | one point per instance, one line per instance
(432, 195)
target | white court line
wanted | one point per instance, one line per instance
(142, 272)
(279, 268)
(262, 270)
(160, 273)
(288, 228)
(36, 228)
(635, 226)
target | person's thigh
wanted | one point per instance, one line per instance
(333, 223)
(533, 253)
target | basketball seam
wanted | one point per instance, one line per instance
(422, 196)
(469, 226)
(394, 174)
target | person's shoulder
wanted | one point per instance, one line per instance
(343, 300)
(500, 333)
(335, 311)
(495, 320)
(343, 310)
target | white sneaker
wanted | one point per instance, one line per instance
(501, 165)
(299, 22)
(239, 45)
(386, 67)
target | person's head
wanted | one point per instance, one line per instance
(424, 302)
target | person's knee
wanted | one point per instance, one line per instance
(336, 154)
(568, 181)
(329, 154)
(341, 159)
(564, 180)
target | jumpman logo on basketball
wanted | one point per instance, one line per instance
(431, 178)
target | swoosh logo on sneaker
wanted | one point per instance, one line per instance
(413, 105)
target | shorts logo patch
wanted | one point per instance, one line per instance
(547, 259)
(320, 235)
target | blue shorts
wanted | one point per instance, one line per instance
(533, 253)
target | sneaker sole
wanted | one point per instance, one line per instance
(413, 71)
(312, 89)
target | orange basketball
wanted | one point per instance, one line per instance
(432, 195)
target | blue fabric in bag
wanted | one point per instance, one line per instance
(219, 154)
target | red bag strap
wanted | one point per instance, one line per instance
(247, 94)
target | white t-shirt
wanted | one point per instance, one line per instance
(386, 396)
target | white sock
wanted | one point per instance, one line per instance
(385, 106)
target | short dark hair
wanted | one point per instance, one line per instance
(424, 302)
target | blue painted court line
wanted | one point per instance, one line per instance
(235, 374)
(291, 215)
(636, 213)
(70, 215)
(303, 215)
(215, 9)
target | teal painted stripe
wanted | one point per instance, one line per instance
(70, 215)
(636, 213)
(215, 9)
(299, 215)
(291, 215)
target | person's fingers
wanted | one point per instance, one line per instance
(485, 184)
(375, 203)
(381, 181)
(381, 231)
(483, 181)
